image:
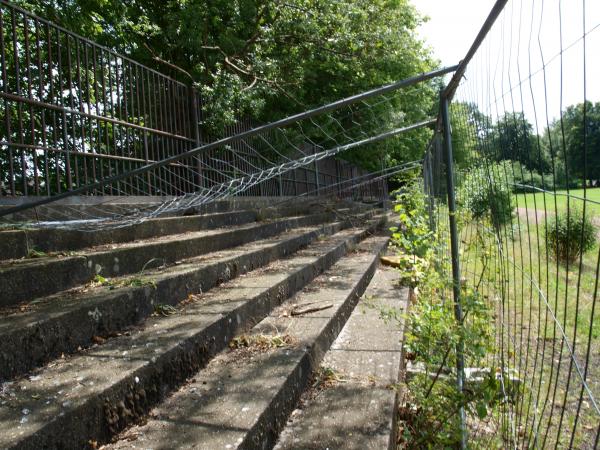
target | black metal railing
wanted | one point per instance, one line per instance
(74, 113)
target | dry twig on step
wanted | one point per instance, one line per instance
(300, 311)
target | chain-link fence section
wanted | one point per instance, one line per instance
(512, 186)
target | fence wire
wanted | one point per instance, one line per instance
(525, 139)
(81, 119)
(254, 160)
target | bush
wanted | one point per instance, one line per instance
(413, 236)
(486, 192)
(570, 235)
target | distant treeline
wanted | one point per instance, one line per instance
(565, 154)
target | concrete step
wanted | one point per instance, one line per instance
(353, 404)
(28, 279)
(243, 397)
(91, 207)
(39, 331)
(37, 239)
(84, 399)
(22, 243)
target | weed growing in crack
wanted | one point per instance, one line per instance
(99, 280)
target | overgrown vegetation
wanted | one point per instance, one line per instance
(570, 234)
(518, 267)
(486, 193)
(433, 335)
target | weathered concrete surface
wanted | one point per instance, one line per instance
(29, 279)
(12, 244)
(357, 410)
(17, 243)
(241, 399)
(92, 395)
(64, 322)
(84, 207)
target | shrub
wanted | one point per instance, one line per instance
(413, 237)
(570, 235)
(485, 192)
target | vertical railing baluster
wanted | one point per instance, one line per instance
(7, 108)
(19, 104)
(88, 102)
(82, 120)
(41, 97)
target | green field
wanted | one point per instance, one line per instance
(530, 289)
(591, 194)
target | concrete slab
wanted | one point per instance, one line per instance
(86, 207)
(18, 243)
(62, 323)
(93, 395)
(242, 398)
(32, 278)
(356, 409)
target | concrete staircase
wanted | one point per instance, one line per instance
(231, 328)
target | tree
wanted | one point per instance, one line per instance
(470, 131)
(265, 59)
(513, 139)
(582, 140)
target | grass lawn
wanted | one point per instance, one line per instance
(592, 195)
(529, 289)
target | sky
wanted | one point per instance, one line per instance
(518, 68)
(449, 42)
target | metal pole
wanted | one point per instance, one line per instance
(316, 164)
(280, 186)
(384, 187)
(196, 130)
(460, 361)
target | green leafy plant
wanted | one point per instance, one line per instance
(570, 234)
(164, 310)
(433, 333)
(33, 253)
(486, 192)
(413, 235)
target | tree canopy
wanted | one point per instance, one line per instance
(582, 140)
(264, 59)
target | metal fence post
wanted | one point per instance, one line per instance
(384, 188)
(316, 164)
(197, 135)
(428, 186)
(280, 186)
(460, 361)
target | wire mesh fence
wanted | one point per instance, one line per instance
(76, 114)
(525, 135)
